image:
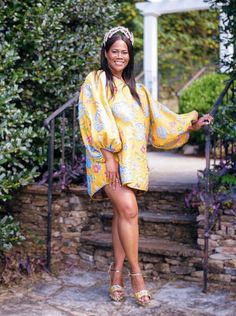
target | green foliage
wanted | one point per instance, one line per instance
(225, 122)
(10, 234)
(186, 44)
(228, 8)
(202, 94)
(129, 16)
(22, 148)
(46, 49)
(222, 180)
(228, 179)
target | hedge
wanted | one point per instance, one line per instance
(46, 49)
(200, 96)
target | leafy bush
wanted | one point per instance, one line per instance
(186, 44)
(10, 234)
(46, 48)
(200, 96)
(225, 120)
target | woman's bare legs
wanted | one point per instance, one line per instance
(125, 231)
(119, 254)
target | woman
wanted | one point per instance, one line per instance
(117, 119)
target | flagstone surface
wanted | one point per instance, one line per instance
(83, 292)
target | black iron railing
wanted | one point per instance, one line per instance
(220, 150)
(62, 122)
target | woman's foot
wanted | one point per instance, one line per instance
(141, 294)
(116, 290)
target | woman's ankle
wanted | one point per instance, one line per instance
(135, 269)
(118, 265)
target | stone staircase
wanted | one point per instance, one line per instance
(168, 235)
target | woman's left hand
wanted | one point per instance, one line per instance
(201, 122)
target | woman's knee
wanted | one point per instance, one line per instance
(124, 202)
(128, 210)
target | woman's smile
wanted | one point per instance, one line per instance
(118, 57)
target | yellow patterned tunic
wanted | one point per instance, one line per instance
(122, 126)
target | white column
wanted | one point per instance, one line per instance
(226, 53)
(150, 53)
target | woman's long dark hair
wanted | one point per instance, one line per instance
(127, 74)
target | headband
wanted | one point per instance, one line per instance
(117, 29)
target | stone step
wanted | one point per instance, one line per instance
(166, 225)
(171, 199)
(160, 199)
(146, 245)
(160, 217)
(170, 202)
(157, 256)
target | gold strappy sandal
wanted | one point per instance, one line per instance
(140, 294)
(115, 287)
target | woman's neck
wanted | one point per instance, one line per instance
(118, 76)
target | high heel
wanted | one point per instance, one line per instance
(141, 294)
(115, 287)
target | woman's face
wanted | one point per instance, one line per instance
(117, 57)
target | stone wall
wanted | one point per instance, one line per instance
(70, 214)
(222, 248)
(74, 215)
(74, 212)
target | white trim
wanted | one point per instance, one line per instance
(171, 6)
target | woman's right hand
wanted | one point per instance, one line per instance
(112, 169)
(112, 172)
(201, 122)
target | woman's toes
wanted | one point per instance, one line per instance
(118, 294)
(145, 299)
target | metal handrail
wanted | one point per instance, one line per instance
(49, 123)
(61, 109)
(207, 130)
(197, 75)
(221, 97)
(194, 78)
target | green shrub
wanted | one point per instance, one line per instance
(46, 49)
(10, 234)
(201, 96)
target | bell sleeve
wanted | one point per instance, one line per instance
(97, 124)
(167, 129)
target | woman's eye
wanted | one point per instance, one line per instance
(117, 52)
